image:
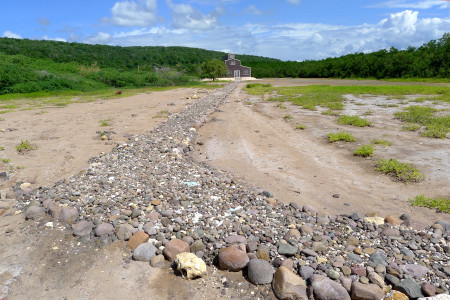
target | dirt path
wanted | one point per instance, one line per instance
(250, 138)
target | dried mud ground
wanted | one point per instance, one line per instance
(252, 140)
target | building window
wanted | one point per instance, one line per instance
(232, 62)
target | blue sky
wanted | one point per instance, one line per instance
(284, 29)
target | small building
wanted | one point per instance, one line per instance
(235, 69)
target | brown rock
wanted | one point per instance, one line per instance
(54, 210)
(292, 234)
(137, 239)
(68, 215)
(232, 259)
(396, 295)
(287, 285)
(156, 202)
(175, 247)
(362, 291)
(325, 289)
(428, 289)
(392, 220)
(271, 201)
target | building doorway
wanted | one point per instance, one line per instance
(237, 73)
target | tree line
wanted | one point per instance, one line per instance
(33, 65)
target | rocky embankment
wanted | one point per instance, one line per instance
(151, 193)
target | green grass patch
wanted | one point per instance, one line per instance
(5, 160)
(418, 116)
(330, 112)
(25, 146)
(300, 127)
(382, 142)
(162, 114)
(441, 204)
(105, 123)
(281, 106)
(341, 136)
(368, 113)
(405, 172)
(364, 151)
(354, 120)
(287, 117)
(385, 105)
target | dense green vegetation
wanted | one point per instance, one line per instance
(28, 66)
(402, 171)
(416, 116)
(431, 60)
(341, 136)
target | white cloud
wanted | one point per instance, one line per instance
(291, 41)
(253, 10)
(11, 35)
(100, 38)
(186, 16)
(425, 4)
(293, 1)
(58, 39)
(132, 13)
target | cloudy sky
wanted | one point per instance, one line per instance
(284, 29)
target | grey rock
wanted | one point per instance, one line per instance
(354, 257)
(197, 246)
(157, 261)
(287, 249)
(306, 272)
(410, 288)
(378, 259)
(68, 215)
(309, 252)
(391, 279)
(259, 271)
(104, 229)
(124, 231)
(34, 212)
(232, 239)
(82, 228)
(144, 252)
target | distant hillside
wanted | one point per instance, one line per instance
(126, 58)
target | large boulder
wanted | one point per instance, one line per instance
(326, 289)
(362, 291)
(82, 228)
(175, 247)
(144, 252)
(68, 215)
(34, 212)
(232, 259)
(259, 271)
(288, 286)
(124, 232)
(190, 266)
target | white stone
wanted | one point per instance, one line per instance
(190, 266)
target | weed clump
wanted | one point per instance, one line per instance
(402, 171)
(417, 116)
(287, 117)
(300, 126)
(354, 120)
(330, 112)
(341, 136)
(25, 146)
(364, 151)
(382, 142)
(105, 123)
(441, 204)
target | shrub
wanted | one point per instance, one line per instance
(402, 171)
(341, 136)
(441, 204)
(364, 151)
(25, 146)
(382, 142)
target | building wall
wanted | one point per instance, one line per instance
(235, 64)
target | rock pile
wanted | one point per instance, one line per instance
(150, 193)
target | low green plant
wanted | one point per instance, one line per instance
(20, 167)
(162, 114)
(300, 126)
(364, 151)
(368, 113)
(2, 148)
(25, 146)
(341, 136)
(382, 142)
(360, 104)
(253, 85)
(387, 105)
(105, 123)
(330, 112)
(354, 120)
(248, 103)
(441, 204)
(402, 171)
(280, 105)
(287, 117)
(411, 127)
(5, 160)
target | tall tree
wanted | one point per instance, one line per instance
(214, 69)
